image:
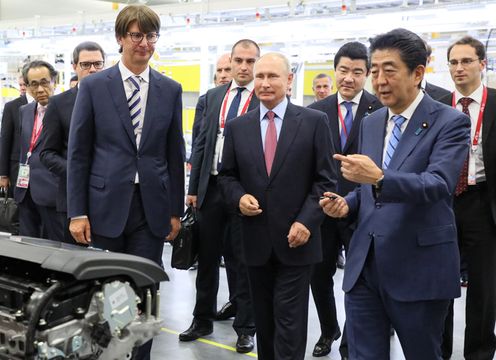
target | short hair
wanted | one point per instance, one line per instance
(37, 64)
(428, 48)
(280, 56)
(480, 50)
(147, 20)
(355, 51)
(246, 43)
(88, 46)
(409, 45)
(321, 76)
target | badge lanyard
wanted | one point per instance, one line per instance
(224, 106)
(341, 120)
(475, 140)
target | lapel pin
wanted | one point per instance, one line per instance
(423, 126)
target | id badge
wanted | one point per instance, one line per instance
(471, 169)
(23, 177)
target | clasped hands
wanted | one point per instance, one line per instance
(298, 233)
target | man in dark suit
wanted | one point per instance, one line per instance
(276, 163)
(351, 65)
(125, 158)
(36, 186)
(403, 266)
(222, 104)
(9, 140)
(88, 58)
(475, 199)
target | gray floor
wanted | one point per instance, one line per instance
(177, 305)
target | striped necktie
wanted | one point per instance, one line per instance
(134, 103)
(393, 140)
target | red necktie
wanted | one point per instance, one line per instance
(462, 184)
(270, 141)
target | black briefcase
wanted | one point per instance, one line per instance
(9, 214)
(184, 246)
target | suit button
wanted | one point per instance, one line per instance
(378, 205)
(371, 235)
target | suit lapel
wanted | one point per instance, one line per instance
(332, 104)
(256, 146)
(489, 115)
(116, 88)
(151, 104)
(413, 132)
(28, 124)
(378, 133)
(289, 129)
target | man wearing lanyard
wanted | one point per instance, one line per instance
(475, 198)
(222, 104)
(345, 111)
(36, 187)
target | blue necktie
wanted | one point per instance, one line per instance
(348, 122)
(393, 140)
(233, 109)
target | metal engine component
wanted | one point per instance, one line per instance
(59, 301)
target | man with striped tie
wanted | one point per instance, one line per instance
(402, 266)
(125, 159)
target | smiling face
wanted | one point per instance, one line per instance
(467, 78)
(394, 84)
(272, 80)
(135, 55)
(350, 77)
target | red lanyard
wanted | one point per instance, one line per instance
(475, 141)
(224, 106)
(35, 134)
(341, 120)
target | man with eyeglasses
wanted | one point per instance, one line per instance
(475, 198)
(87, 58)
(35, 188)
(125, 159)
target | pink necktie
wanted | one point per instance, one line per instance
(40, 112)
(270, 141)
(462, 184)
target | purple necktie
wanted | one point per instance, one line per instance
(462, 184)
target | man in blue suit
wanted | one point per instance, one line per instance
(403, 266)
(276, 163)
(36, 187)
(125, 161)
(88, 58)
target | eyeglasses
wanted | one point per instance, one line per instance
(462, 62)
(86, 65)
(137, 37)
(43, 83)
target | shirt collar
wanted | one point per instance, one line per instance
(355, 100)
(476, 95)
(408, 112)
(126, 73)
(279, 109)
(248, 86)
(29, 98)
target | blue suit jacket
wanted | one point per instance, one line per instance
(302, 171)
(42, 183)
(411, 223)
(103, 159)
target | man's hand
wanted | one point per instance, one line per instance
(175, 227)
(81, 230)
(248, 205)
(359, 168)
(191, 200)
(4, 182)
(298, 235)
(334, 205)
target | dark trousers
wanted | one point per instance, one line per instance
(370, 312)
(280, 301)
(322, 283)
(137, 239)
(212, 221)
(477, 239)
(39, 221)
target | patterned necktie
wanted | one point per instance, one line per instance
(134, 103)
(393, 140)
(233, 109)
(270, 141)
(462, 184)
(348, 122)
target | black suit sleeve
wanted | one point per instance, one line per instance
(197, 122)
(53, 141)
(6, 138)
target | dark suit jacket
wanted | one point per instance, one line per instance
(197, 122)
(488, 143)
(42, 183)
(201, 162)
(9, 139)
(411, 223)
(302, 171)
(367, 105)
(102, 157)
(436, 92)
(56, 134)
